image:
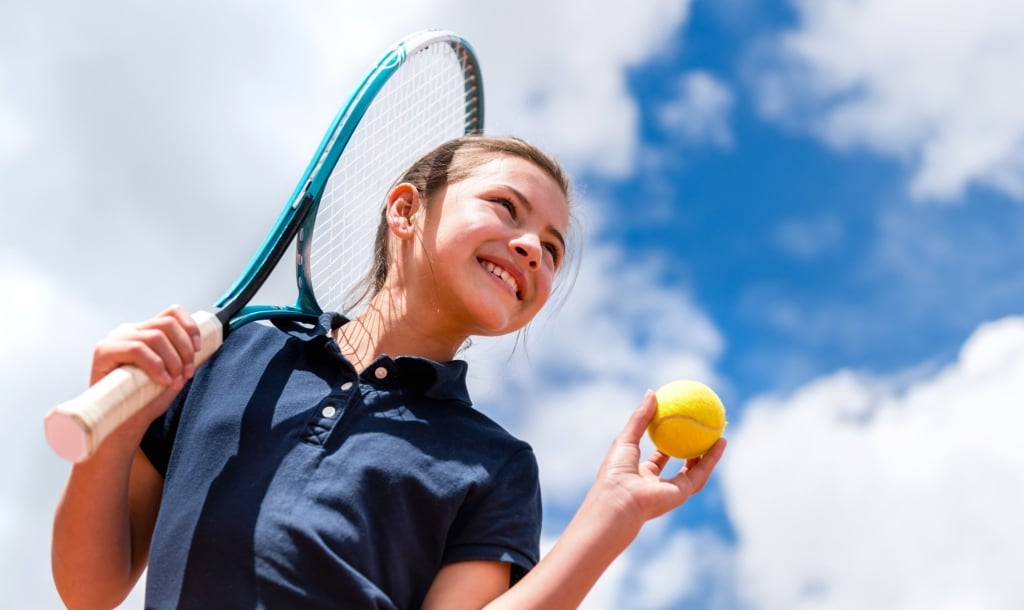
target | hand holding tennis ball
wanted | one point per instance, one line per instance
(689, 419)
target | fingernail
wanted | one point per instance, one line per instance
(197, 343)
(166, 379)
(189, 370)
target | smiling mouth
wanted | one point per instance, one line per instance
(504, 276)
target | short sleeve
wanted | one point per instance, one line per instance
(501, 521)
(158, 441)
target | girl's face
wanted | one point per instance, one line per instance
(492, 244)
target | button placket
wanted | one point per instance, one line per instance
(331, 410)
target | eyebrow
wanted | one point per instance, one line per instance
(529, 208)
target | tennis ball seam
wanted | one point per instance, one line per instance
(694, 420)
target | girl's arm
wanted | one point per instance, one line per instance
(467, 585)
(102, 528)
(626, 494)
(105, 518)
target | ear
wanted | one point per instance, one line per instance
(403, 204)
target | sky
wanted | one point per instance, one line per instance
(814, 206)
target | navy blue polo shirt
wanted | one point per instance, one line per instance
(291, 481)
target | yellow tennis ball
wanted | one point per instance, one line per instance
(689, 419)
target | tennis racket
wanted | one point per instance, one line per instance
(425, 90)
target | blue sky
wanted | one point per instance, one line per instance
(815, 206)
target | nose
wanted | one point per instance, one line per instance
(528, 247)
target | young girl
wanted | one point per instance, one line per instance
(345, 467)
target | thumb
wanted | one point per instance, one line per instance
(638, 421)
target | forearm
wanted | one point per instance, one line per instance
(103, 522)
(598, 533)
(91, 555)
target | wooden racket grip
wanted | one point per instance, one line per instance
(76, 428)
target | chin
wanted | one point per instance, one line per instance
(498, 318)
(498, 326)
(496, 330)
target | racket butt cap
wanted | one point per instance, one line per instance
(67, 436)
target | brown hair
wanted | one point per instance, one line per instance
(449, 163)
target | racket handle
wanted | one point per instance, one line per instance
(74, 429)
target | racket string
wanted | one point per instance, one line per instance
(426, 102)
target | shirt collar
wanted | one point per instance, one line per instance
(436, 380)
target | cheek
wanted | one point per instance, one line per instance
(545, 284)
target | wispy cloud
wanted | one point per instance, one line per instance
(807, 238)
(932, 85)
(946, 267)
(699, 113)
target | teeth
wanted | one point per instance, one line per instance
(503, 275)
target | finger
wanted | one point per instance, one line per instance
(638, 421)
(187, 323)
(180, 342)
(113, 353)
(159, 346)
(657, 462)
(698, 474)
(161, 341)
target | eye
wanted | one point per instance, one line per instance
(552, 249)
(507, 204)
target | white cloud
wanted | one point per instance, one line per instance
(857, 492)
(700, 112)
(935, 85)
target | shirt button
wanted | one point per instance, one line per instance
(329, 411)
(380, 373)
(347, 385)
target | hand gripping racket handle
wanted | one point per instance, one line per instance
(74, 429)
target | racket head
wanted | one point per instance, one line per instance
(425, 91)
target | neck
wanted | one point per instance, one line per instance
(388, 326)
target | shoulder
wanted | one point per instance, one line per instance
(261, 341)
(481, 441)
(258, 334)
(498, 439)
